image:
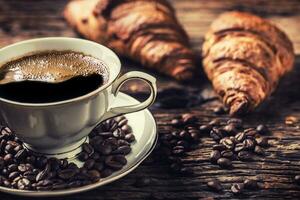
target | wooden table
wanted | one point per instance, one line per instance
(21, 20)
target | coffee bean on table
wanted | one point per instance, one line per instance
(205, 129)
(215, 185)
(239, 147)
(227, 142)
(215, 122)
(227, 154)
(214, 156)
(188, 118)
(224, 162)
(249, 144)
(250, 184)
(258, 150)
(262, 141)
(240, 137)
(219, 110)
(237, 188)
(262, 129)
(219, 147)
(297, 179)
(245, 155)
(216, 134)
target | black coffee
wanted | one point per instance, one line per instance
(51, 76)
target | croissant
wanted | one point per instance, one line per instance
(245, 56)
(146, 31)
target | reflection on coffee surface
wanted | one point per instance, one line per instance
(51, 76)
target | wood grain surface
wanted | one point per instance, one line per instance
(23, 19)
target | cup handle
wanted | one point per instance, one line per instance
(150, 80)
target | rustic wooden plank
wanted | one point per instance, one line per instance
(21, 20)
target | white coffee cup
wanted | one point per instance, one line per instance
(59, 128)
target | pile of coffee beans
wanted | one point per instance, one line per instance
(236, 188)
(234, 142)
(174, 143)
(105, 153)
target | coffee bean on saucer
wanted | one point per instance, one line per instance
(88, 149)
(130, 137)
(66, 174)
(215, 185)
(104, 149)
(106, 172)
(21, 154)
(89, 164)
(125, 149)
(237, 188)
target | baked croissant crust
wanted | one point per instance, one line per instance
(245, 56)
(146, 31)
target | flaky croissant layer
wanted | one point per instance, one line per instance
(245, 56)
(144, 30)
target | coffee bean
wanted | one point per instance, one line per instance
(122, 122)
(219, 147)
(99, 166)
(239, 147)
(215, 185)
(214, 156)
(216, 134)
(66, 174)
(215, 122)
(227, 142)
(89, 164)
(106, 172)
(178, 150)
(240, 137)
(250, 132)
(230, 129)
(23, 184)
(104, 149)
(224, 162)
(237, 188)
(205, 129)
(227, 154)
(74, 184)
(88, 149)
(130, 137)
(262, 129)
(262, 141)
(177, 123)
(21, 154)
(114, 162)
(119, 134)
(250, 184)
(43, 174)
(184, 135)
(258, 150)
(122, 150)
(12, 168)
(63, 163)
(105, 134)
(31, 159)
(188, 118)
(249, 144)
(13, 175)
(238, 123)
(297, 179)
(219, 110)
(8, 158)
(25, 167)
(245, 155)
(41, 161)
(126, 129)
(94, 175)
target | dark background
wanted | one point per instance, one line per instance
(24, 19)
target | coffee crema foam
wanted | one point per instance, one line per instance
(52, 66)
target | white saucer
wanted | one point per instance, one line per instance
(146, 137)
